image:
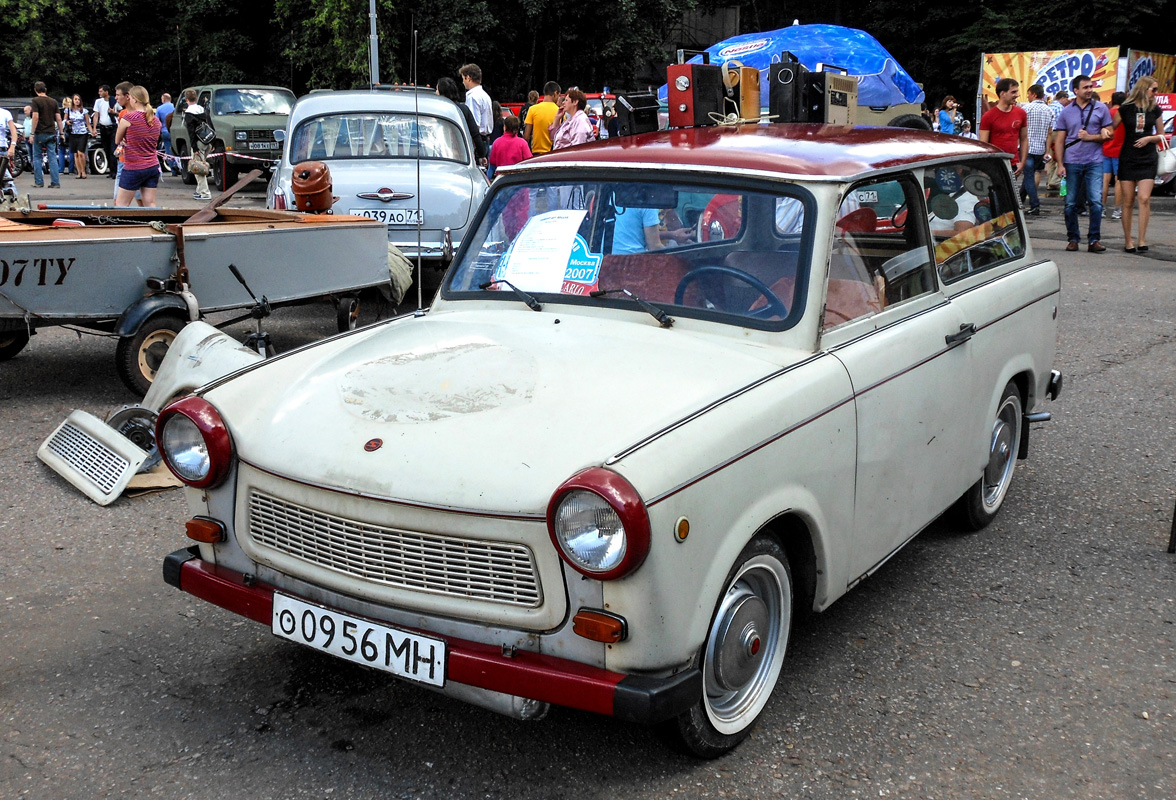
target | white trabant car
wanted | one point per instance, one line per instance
(677, 389)
(400, 155)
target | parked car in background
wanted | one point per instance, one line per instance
(606, 471)
(1166, 184)
(245, 118)
(400, 155)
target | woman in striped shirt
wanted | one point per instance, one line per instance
(138, 137)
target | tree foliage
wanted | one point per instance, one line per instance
(74, 45)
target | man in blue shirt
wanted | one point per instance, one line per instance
(1081, 129)
(162, 112)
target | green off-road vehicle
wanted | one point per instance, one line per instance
(245, 118)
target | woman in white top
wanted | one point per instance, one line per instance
(77, 128)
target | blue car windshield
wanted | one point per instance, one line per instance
(697, 250)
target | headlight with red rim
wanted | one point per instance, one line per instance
(599, 524)
(194, 442)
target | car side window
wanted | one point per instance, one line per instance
(880, 254)
(973, 217)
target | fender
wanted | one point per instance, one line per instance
(147, 307)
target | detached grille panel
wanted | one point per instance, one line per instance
(90, 457)
(499, 572)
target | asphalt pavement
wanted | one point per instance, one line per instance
(1035, 659)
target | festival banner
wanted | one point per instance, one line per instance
(1161, 66)
(1053, 69)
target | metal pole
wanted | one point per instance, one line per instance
(179, 61)
(374, 45)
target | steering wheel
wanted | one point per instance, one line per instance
(774, 308)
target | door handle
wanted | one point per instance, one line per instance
(966, 331)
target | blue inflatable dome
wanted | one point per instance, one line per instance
(881, 81)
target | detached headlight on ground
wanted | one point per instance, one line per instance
(599, 524)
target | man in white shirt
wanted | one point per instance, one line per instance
(478, 101)
(8, 136)
(105, 123)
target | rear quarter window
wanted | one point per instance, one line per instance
(973, 217)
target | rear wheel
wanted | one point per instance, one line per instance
(981, 503)
(915, 121)
(138, 357)
(743, 652)
(11, 343)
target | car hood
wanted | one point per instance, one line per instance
(485, 410)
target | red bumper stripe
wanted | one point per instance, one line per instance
(532, 675)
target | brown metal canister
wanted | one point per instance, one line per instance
(312, 187)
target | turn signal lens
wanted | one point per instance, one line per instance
(600, 626)
(194, 442)
(205, 529)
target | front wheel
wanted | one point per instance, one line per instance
(743, 652)
(981, 503)
(138, 357)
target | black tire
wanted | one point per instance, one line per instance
(138, 357)
(11, 343)
(347, 313)
(914, 121)
(981, 503)
(756, 608)
(224, 174)
(16, 165)
(99, 165)
(187, 177)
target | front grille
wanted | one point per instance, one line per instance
(88, 456)
(259, 136)
(499, 572)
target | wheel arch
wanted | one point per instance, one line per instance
(794, 533)
(145, 308)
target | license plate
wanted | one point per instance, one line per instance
(407, 655)
(391, 216)
(262, 145)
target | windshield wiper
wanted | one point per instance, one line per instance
(531, 302)
(663, 319)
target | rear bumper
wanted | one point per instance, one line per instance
(635, 698)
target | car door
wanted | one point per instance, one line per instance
(899, 338)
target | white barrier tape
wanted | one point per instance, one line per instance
(208, 156)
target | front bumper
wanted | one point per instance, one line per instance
(636, 698)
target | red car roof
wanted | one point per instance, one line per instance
(817, 150)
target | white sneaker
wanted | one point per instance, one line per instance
(1116, 214)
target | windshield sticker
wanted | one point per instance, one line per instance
(540, 256)
(583, 269)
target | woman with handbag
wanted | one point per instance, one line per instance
(1139, 158)
(77, 126)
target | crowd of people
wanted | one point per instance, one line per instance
(1086, 144)
(125, 125)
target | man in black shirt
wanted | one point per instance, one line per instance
(46, 129)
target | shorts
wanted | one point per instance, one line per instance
(135, 179)
(1110, 165)
(78, 142)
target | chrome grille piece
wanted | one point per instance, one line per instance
(499, 572)
(100, 465)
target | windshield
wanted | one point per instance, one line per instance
(732, 255)
(376, 135)
(252, 101)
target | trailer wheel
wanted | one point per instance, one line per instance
(12, 343)
(347, 313)
(138, 357)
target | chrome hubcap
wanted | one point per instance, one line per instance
(745, 647)
(1002, 455)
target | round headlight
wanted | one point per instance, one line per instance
(194, 442)
(599, 524)
(590, 531)
(185, 448)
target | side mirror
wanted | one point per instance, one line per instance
(447, 247)
(280, 135)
